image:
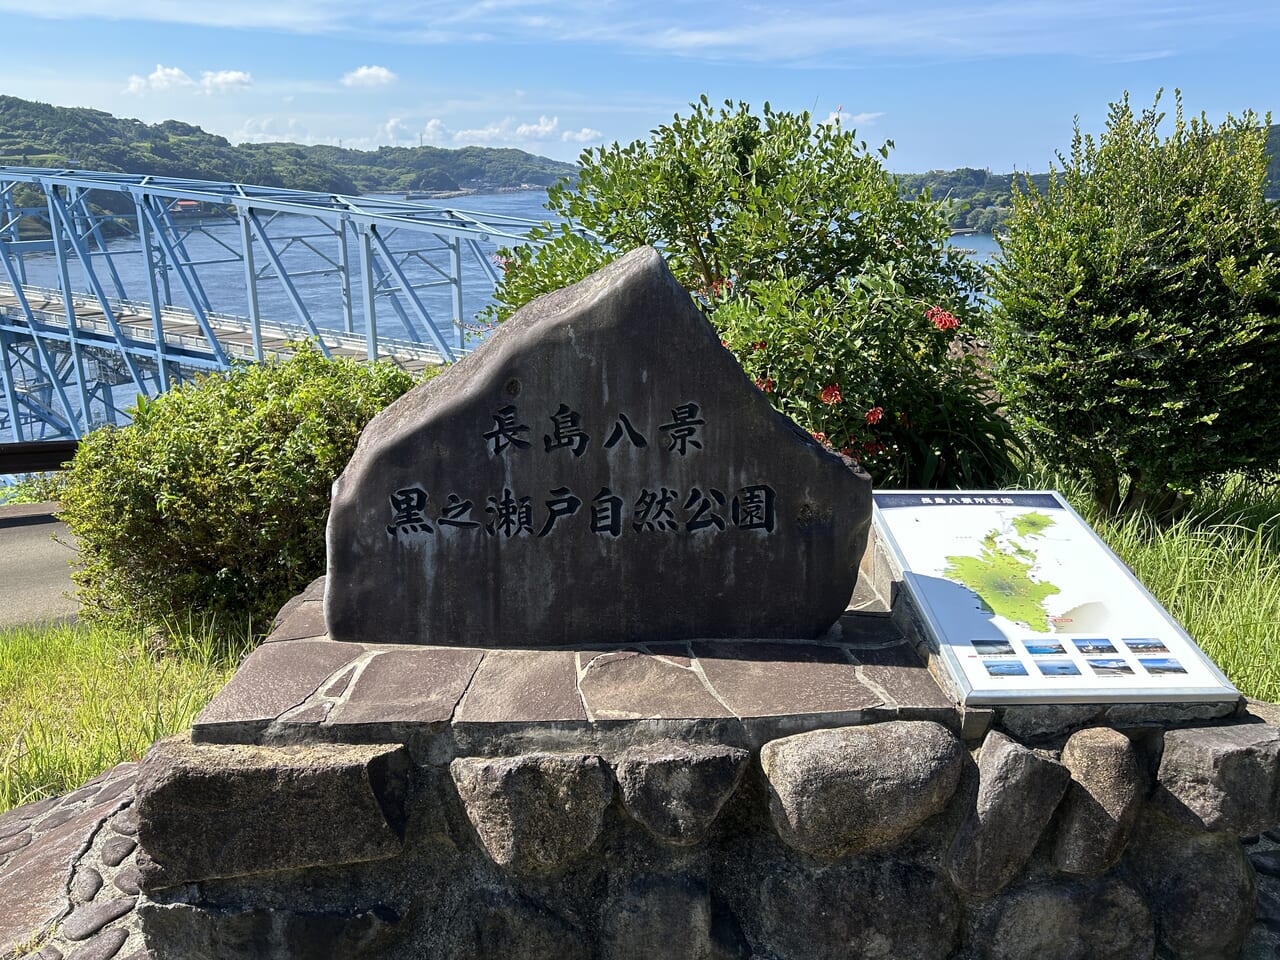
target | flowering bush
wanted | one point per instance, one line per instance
(870, 371)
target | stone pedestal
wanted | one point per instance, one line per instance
(790, 799)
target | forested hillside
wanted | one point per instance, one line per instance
(36, 134)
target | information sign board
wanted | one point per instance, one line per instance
(1026, 604)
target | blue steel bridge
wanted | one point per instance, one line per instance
(117, 285)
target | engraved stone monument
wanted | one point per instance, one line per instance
(575, 694)
(601, 471)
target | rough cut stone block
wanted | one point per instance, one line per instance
(601, 470)
(1018, 791)
(676, 789)
(783, 679)
(837, 792)
(626, 685)
(207, 811)
(272, 679)
(523, 685)
(1102, 803)
(534, 812)
(1199, 886)
(1221, 778)
(1103, 919)
(406, 685)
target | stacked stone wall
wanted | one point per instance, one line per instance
(893, 839)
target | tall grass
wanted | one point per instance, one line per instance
(1216, 570)
(76, 699)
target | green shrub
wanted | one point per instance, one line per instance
(1136, 330)
(793, 233)
(214, 500)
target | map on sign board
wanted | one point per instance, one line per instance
(1025, 603)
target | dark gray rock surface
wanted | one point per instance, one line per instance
(1103, 919)
(86, 884)
(198, 933)
(1221, 778)
(601, 470)
(831, 793)
(1199, 887)
(85, 921)
(1108, 786)
(503, 924)
(536, 812)
(35, 878)
(657, 917)
(1018, 791)
(866, 910)
(102, 946)
(676, 789)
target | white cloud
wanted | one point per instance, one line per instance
(585, 135)
(224, 81)
(507, 130)
(541, 130)
(810, 33)
(161, 78)
(371, 76)
(435, 132)
(395, 131)
(270, 130)
(807, 33)
(852, 119)
(175, 78)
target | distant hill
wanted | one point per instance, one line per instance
(37, 134)
(982, 198)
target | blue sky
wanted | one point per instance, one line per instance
(960, 83)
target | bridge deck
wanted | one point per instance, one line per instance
(184, 341)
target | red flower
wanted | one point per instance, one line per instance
(759, 344)
(725, 344)
(941, 319)
(874, 415)
(831, 394)
(822, 438)
(766, 384)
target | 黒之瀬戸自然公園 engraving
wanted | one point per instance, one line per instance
(579, 477)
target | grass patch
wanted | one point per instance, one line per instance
(77, 699)
(1216, 570)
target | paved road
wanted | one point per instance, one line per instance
(34, 572)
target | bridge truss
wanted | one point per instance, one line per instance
(117, 284)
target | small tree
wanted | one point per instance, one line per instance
(792, 234)
(214, 500)
(1136, 328)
